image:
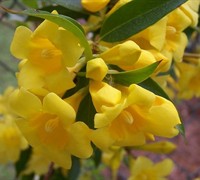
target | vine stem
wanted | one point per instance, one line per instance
(50, 172)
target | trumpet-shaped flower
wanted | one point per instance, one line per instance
(137, 117)
(144, 168)
(46, 54)
(50, 126)
(38, 163)
(188, 81)
(95, 5)
(125, 54)
(11, 141)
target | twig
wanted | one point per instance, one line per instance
(50, 172)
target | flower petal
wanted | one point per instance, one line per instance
(20, 43)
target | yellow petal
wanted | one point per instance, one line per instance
(102, 139)
(31, 78)
(96, 69)
(125, 54)
(79, 144)
(162, 118)
(95, 5)
(100, 92)
(55, 105)
(69, 44)
(20, 43)
(24, 103)
(164, 167)
(63, 77)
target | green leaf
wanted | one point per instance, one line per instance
(86, 111)
(81, 82)
(20, 165)
(32, 3)
(135, 76)
(65, 22)
(135, 16)
(97, 155)
(66, 11)
(152, 86)
(74, 5)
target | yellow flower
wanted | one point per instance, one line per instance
(37, 164)
(138, 116)
(11, 142)
(113, 158)
(158, 147)
(46, 53)
(11, 139)
(144, 168)
(50, 126)
(129, 56)
(188, 80)
(96, 69)
(94, 5)
(125, 54)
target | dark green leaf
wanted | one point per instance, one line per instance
(75, 169)
(65, 11)
(86, 111)
(135, 16)
(80, 83)
(20, 165)
(152, 86)
(74, 5)
(27, 177)
(97, 156)
(65, 22)
(135, 76)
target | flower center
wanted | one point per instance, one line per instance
(127, 116)
(51, 125)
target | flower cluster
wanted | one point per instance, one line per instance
(67, 101)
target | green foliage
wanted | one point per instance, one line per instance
(135, 76)
(86, 111)
(135, 16)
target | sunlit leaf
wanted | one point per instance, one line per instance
(135, 16)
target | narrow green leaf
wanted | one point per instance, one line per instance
(97, 155)
(86, 111)
(135, 16)
(152, 86)
(22, 162)
(65, 22)
(135, 76)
